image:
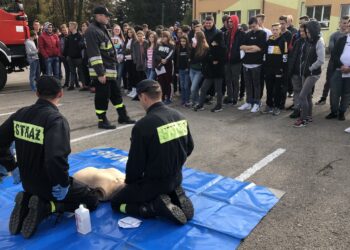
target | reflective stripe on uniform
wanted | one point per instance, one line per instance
(110, 73)
(93, 63)
(103, 46)
(172, 131)
(92, 72)
(118, 106)
(99, 112)
(95, 58)
(28, 132)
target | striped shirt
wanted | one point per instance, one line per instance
(150, 58)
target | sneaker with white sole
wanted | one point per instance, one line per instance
(245, 106)
(255, 108)
(267, 110)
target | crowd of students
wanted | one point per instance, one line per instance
(202, 62)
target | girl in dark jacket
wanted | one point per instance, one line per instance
(130, 67)
(164, 65)
(213, 71)
(199, 52)
(183, 51)
(312, 59)
(139, 51)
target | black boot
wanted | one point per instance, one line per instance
(179, 198)
(38, 211)
(103, 123)
(163, 207)
(341, 116)
(123, 116)
(332, 115)
(19, 212)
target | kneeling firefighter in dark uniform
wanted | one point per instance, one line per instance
(160, 145)
(103, 69)
(42, 138)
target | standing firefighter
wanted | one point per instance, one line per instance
(103, 71)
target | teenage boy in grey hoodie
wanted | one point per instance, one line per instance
(33, 60)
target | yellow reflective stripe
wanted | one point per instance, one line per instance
(122, 208)
(94, 58)
(111, 75)
(92, 73)
(100, 111)
(172, 131)
(96, 62)
(53, 207)
(118, 106)
(28, 132)
(106, 47)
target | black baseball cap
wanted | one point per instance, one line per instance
(146, 85)
(48, 86)
(102, 10)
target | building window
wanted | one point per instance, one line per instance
(235, 12)
(252, 13)
(345, 9)
(321, 13)
(205, 14)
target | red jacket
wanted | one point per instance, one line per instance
(49, 45)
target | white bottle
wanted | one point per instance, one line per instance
(82, 219)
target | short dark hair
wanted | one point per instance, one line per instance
(283, 18)
(36, 21)
(209, 18)
(225, 18)
(253, 20)
(262, 16)
(346, 17)
(244, 27)
(150, 88)
(144, 25)
(48, 87)
(186, 28)
(304, 18)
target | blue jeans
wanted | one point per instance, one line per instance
(184, 77)
(196, 78)
(34, 73)
(52, 66)
(151, 74)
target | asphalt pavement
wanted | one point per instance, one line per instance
(313, 171)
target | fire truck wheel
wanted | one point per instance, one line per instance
(3, 76)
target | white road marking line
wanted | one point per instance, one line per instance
(10, 113)
(5, 114)
(99, 133)
(261, 164)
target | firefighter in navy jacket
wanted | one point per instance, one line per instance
(103, 69)
(42, 138)
(160, 145)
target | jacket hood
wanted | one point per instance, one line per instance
(235, 22)
(314, 29)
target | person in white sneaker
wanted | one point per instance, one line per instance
(253, 48)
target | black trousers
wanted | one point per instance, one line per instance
(274, 84)
(110, 91)
(74, 64)
(131, 80)
(78, 193)
(137, 194)
(327, 84)
(64, 61)
(242, 86)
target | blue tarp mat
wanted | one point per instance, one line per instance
(226, 211)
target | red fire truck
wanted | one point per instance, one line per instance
(14, 31)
